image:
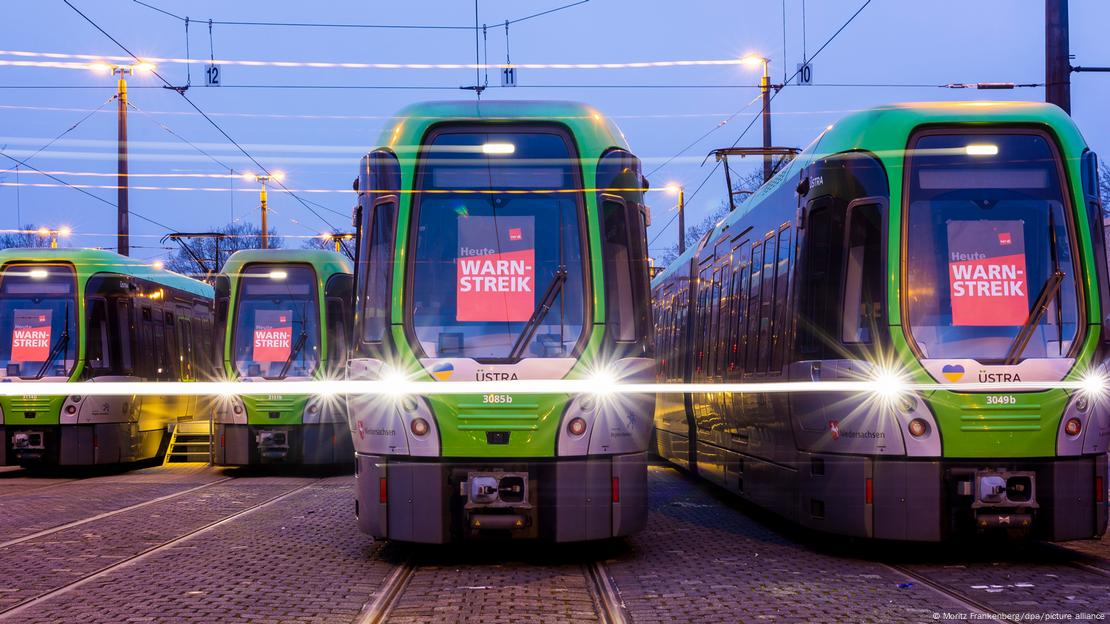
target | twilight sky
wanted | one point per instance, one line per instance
(316, 135)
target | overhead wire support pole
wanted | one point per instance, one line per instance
(1057, 62)
(123, 227)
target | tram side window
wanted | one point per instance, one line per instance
(754, 284)
(223, 303)
(820, 281)
(619, 310)
(146, 343)
(766, 302)
(381, 179)
(97, 347)
(337, 337)
(781, 327)
(185, 328)
(624, 232)
(863, 279)
(161, 367)
(172, 358)
(123, 327)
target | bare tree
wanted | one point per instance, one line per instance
(744, 184)
(29, 237)
(235, 236)
(328, 244)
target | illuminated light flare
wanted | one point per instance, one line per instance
(498, 148)
(396, 384)
(981, 149)
(100, 61)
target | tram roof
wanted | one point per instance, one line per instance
(886, 129)
(91, 261)
(330, 261)
(593, 130)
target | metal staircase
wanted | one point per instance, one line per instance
(190, 443)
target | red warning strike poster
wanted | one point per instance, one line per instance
(273, 335)
(496, 269)
(986, 273)
(31, 336)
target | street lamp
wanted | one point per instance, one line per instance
(680, 190)
(276, 176)
(337, 238)
(764, 88)
(123, 229)
(62, 231)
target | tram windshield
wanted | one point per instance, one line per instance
(990, 265)
(276, 331)
(497, 265)
(38, 321)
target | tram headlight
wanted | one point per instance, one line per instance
(918, 427)
(576, 426)
(1073, 426)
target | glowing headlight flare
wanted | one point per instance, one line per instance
(603, 382)
(1093, 384)
(888, 384)
(393, 382)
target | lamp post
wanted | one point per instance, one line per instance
(681, 192)
(123, 245)
(54, 234)
(765, 89)
(337, 238)
(276, 176)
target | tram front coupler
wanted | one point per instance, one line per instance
(497, 500)
(272, 444)
(1000, 498)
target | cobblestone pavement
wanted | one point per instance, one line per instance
(703, 560)
(57, 501)
(704, 557)
(299, 559)
(498, 583)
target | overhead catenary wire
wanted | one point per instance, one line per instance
(357, 25)
(756, 117)
(78, 188)
(198, 109)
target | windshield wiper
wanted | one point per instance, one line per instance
(293, 354)
(539, 313)
(63, 341)
(1040, 307)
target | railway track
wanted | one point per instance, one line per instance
(35, 489)
(1055, 555)
(13, 612)
(603, 592)
(108, 514)
(970, 603)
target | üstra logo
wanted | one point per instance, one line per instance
(953, 372)
(443, 371)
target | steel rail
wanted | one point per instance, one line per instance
(9, 613)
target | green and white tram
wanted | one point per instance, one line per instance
(283, 315)
(87, 315)
(501, 241)
(952, 254)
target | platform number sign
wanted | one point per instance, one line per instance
(212, 75)
(805, 73)
(508, 76)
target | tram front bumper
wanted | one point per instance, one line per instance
(1054, 499)
(564, 500)
(316, 443)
